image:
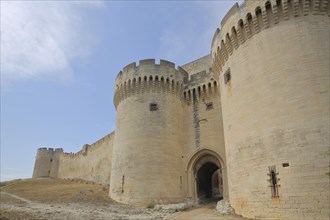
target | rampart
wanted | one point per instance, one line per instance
(92, 162)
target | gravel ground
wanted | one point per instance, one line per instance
(77, 199)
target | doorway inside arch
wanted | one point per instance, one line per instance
(209, 181)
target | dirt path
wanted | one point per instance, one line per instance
(16, 197)
(204, 212)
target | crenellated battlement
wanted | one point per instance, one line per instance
(43, 149)
(149, 77)
(82, 152)
(145, 67)
(88, 147)
(244, 21)
(46, 164)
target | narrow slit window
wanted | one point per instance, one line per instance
(273, 180)
(227, 76)
(122, 184)
(153, 107)
(180, 182)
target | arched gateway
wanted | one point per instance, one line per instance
(207, 176)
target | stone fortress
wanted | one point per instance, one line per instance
(249, 122)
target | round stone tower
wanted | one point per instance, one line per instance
(47, 162)
(43, 162)
(147, 165)
(272, 58)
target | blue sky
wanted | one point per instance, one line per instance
(59, 61)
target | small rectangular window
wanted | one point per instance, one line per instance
(180, 182)
(153, 107)
(227, 76)
(209, 106)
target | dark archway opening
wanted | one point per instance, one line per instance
(208, 181)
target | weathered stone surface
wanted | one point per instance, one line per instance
(276, 108)
(176, 207)
(224, 207)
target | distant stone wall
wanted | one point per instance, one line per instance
(92, 163)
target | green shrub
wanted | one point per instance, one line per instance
(151, 206)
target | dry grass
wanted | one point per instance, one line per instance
(60, 191)
(56, 199)
(6, 183)
(6, 214)
(10, 199)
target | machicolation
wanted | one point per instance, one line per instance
(149, 77)
(246, 20)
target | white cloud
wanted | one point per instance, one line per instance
(41, 39)
(193, 37)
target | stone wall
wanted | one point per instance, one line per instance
(92, 163)
(276, 108)
(203, 131)
(199, 65)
